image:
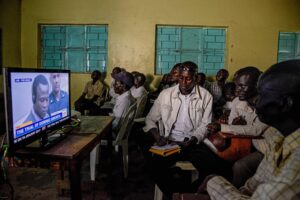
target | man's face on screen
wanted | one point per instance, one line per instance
(42, 100)
(55, 82)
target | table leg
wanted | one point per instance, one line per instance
(75, 180)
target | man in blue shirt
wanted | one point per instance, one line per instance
(58, 99)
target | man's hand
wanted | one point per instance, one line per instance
(240, 120)
(213, 127)
(219, 141)
(158, 138)
(188, 142)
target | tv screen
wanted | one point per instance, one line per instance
(37, 102)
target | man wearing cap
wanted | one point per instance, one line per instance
(122, 85)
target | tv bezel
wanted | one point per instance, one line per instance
(8, 106)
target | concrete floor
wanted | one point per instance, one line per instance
(40, 184)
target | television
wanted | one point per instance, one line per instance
(37, 103)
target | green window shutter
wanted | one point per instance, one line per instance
(79, 48)
(203, 45)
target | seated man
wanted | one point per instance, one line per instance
(108, 105)
(112, 93)
(91, 97)
(278, 175)
(184, 110)
(122, 85)
(228, 97)
(201, 80)
(244, 121)
(138, 89)
(216, 87)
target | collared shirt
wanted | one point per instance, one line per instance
(166, 108)
(93, 89)
(253, 127)
(138, 92)
(58, 105)
(183, 125)
(123, 102)
(277, 176)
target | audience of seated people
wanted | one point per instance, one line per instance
(90, 100)
(278, 175)
(190, 114)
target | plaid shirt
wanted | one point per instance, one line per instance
(277, 177)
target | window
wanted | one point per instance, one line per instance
(79, 48)
(203, 45)
(288, 46)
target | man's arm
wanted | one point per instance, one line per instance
(256, 128)
(219, 188)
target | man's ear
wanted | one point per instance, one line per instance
(287, 103)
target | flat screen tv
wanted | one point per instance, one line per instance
(37, 102)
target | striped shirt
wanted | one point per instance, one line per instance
(277, 177)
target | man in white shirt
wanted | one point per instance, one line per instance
(138, 89)
(184, 109)
(122, 85)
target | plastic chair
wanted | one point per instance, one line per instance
(141, 103)
(121, 140)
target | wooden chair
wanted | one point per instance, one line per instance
(121, 140)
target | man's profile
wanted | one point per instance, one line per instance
(58, 99)
(40, 100)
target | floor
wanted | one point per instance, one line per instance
(39, 184)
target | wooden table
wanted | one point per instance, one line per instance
(74, 148)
